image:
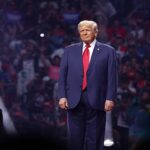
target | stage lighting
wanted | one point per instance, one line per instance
(42, 34)
(108, 139)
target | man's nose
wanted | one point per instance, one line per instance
(85, 32)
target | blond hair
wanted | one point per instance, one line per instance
(91, 23)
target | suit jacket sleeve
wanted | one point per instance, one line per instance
(112, 77)
(63, 75)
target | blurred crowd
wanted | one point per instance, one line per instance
(32, 37)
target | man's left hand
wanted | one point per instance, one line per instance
(109, 105)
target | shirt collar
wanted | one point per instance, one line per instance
(91, 44)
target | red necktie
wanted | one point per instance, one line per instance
(85, 61)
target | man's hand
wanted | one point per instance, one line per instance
(109, 105)
(63, 104)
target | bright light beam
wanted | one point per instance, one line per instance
(108, 139)
(7, 121)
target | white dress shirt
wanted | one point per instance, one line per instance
(91, 48)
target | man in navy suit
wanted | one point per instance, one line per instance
(86, 107)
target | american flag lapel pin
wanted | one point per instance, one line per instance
(98, 49)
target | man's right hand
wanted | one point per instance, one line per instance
(63, 103)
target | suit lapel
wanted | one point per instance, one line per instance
(79, 56)
(97, 50)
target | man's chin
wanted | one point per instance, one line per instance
(87, 41)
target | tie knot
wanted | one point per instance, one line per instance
(87, 45)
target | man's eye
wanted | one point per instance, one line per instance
(85, 31)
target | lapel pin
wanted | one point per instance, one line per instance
(98, 49)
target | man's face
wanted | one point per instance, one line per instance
(87, 33)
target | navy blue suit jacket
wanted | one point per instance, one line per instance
(101, 75)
